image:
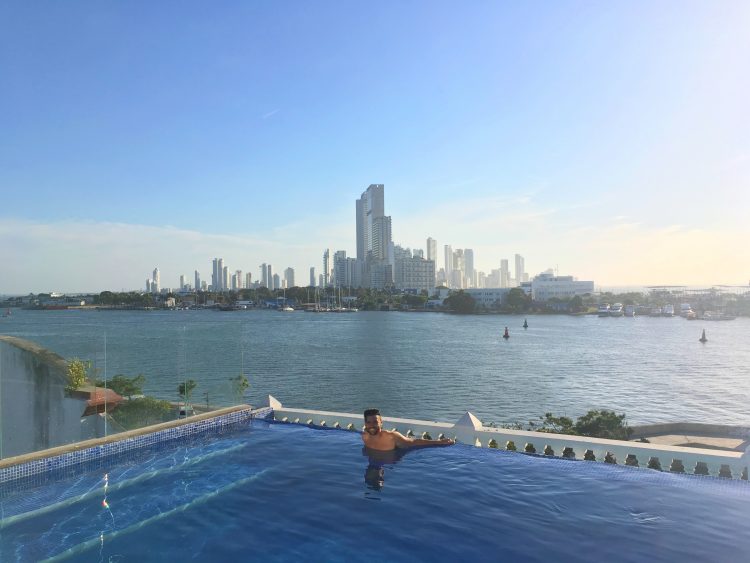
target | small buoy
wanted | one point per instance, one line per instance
(703, 337)
(506, 335)
(525, 324)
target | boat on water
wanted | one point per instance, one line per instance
(714, 316)
(655, 312)
(629, 311)
(603, 310)
(616, 310)
(685, 310)
(667, 310)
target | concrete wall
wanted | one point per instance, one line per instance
(35, 414)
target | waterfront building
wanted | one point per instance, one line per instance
(340, 269)
(215, 275)
(414, 272)
(481, 280)
(326, 267)
(182, 282)
(432, 249)
(248, 280)
(448, 259)
(369, 208)
(520, 276)
(271, 280)
(276, 281)
(289, 277)
(488, 297)
(197, 284)
(312, 276)
(263, 275)
(148, 285)
(504, 273)
(320, 280)
(469, 273)
(156, 284)
(225, 278)
(547, 285)
(204, 285)
(374, 235)
(221, 276)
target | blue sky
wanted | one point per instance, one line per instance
(610, 140)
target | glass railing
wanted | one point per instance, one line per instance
(70, 376)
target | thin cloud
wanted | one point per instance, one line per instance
(269, 114)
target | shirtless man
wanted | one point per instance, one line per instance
(376, 438)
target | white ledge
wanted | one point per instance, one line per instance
(469, 430)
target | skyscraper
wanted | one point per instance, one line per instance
(469, 268)
(224, 277)
(182, 282)
(248, 280)
(221, 277)
(215, 275)
(519, 269)
(197, 285)
(369, 207)
(156, 285)
(263, 275)
(289, 277)
(271, 280)
(504, 273)
(432, 249)
(312, 276)
(326, 267)
(448, 257)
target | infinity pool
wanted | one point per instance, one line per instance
(276, 492)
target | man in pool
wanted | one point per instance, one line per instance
(375, 438)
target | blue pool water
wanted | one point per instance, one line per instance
(276, 492)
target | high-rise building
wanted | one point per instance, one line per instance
(238, 284)
(263, 275)
(432, 249)
(182, 282)
(369, 207)
(215, 275)
(289, 277)
(221, 276)
(326, 267)
(225, 278)
(504, 273)
(156, 285)
(381, 238)
(276, 281)
(312, 276)
(197, 285)
(271, 279)
(469, 272)
(340, 269)
(148, 285)
(519, 269)
(448, 258)
(248, 280)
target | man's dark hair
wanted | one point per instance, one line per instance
(371, 412)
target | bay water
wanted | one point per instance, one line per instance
(431, 366)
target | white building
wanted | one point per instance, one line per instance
(546, 285)
(312, 276)
(289, 277)
(488, 297)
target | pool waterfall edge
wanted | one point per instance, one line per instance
(468, 430)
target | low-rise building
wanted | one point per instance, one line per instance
(546, 286)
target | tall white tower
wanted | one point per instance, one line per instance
(156, 285)
(519, 269)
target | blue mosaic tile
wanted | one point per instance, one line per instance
(56, 463)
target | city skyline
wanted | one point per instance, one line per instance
(614, 148)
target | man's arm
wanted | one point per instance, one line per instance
(404, 442)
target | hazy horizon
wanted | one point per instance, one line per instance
(611, 142)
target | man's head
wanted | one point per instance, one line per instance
(373, 422)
